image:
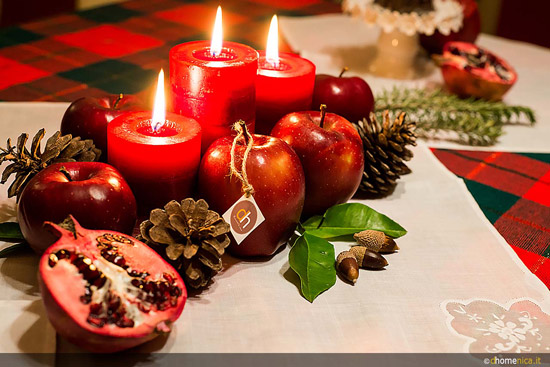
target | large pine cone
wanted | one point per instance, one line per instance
(192, 237)
(25, 164)
(385, 152)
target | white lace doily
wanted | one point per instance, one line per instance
(446, 17)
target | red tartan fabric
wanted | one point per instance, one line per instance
(120, 48)
(513, 190)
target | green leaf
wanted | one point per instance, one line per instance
(343, 220)
(10, 231)
(312, 258)
(14, 249)
(313, 222)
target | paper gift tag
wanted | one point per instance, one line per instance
(243, 217)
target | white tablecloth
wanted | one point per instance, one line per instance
(451, 262)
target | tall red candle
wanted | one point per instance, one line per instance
(285, 84)
(159, 165)
(215, 90)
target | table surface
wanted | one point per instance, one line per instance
(120, 48)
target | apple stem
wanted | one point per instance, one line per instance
(323, 109)
(344, 69)
(66, 173)
(118, 99)
(245, 131)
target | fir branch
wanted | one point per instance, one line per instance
(475, 121)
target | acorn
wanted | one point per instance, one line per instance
(368, 259)
(376, 241)
(347, 265)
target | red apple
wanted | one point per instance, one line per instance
(275, 173)
(471, 27)
(94, 193)
(350, 97)
(88, 117)
(331, 152)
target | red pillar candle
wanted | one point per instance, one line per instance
(159, 165)
(157, 154)
(285, 84)
(214, 84)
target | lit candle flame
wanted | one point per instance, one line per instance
(272, 49)
(159, 108)
(217, 36)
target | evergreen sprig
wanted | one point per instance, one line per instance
(475, 121)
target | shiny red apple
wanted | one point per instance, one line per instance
(349, 97)
(331, 152)
(276, 175)
(88, 117)
(471, 26)
(94, 193)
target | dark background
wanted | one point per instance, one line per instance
(519, 20)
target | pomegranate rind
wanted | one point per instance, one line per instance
(476, 82)
(68, 315)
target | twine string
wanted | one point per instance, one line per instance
(242, 133)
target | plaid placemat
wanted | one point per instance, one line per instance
(120, 48)
(513, 190)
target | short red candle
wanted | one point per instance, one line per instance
(159, 165)
(281, 89)
(214, 90)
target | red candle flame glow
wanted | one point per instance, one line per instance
(272, 48)
(217, 35)
(159, 108)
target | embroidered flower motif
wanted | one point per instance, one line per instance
(493, 328)
(508, 331)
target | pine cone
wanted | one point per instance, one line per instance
(27, 164)
(192, 237)
(385, 152)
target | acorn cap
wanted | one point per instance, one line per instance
(376, 241)
(368, 259)
(347, 265)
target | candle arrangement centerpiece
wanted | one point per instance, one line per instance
(257, 152)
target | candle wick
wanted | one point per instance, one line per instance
(157, 126)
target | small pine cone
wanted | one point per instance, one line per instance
(385, 151)
(25, 164)
(191, 237)
(376, 241)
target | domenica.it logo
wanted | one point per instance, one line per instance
(243, 217)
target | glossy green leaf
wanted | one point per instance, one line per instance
(10, 231)
(312, 258)
(343, 220)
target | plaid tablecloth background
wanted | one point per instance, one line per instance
(120, 48)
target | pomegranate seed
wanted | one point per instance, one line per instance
(96, 308)
(95, 321)
(142, 308)
(52, 260)
(62, 254)
(100, 282)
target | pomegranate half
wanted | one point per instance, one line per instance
(471, 71)
(105, 291)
